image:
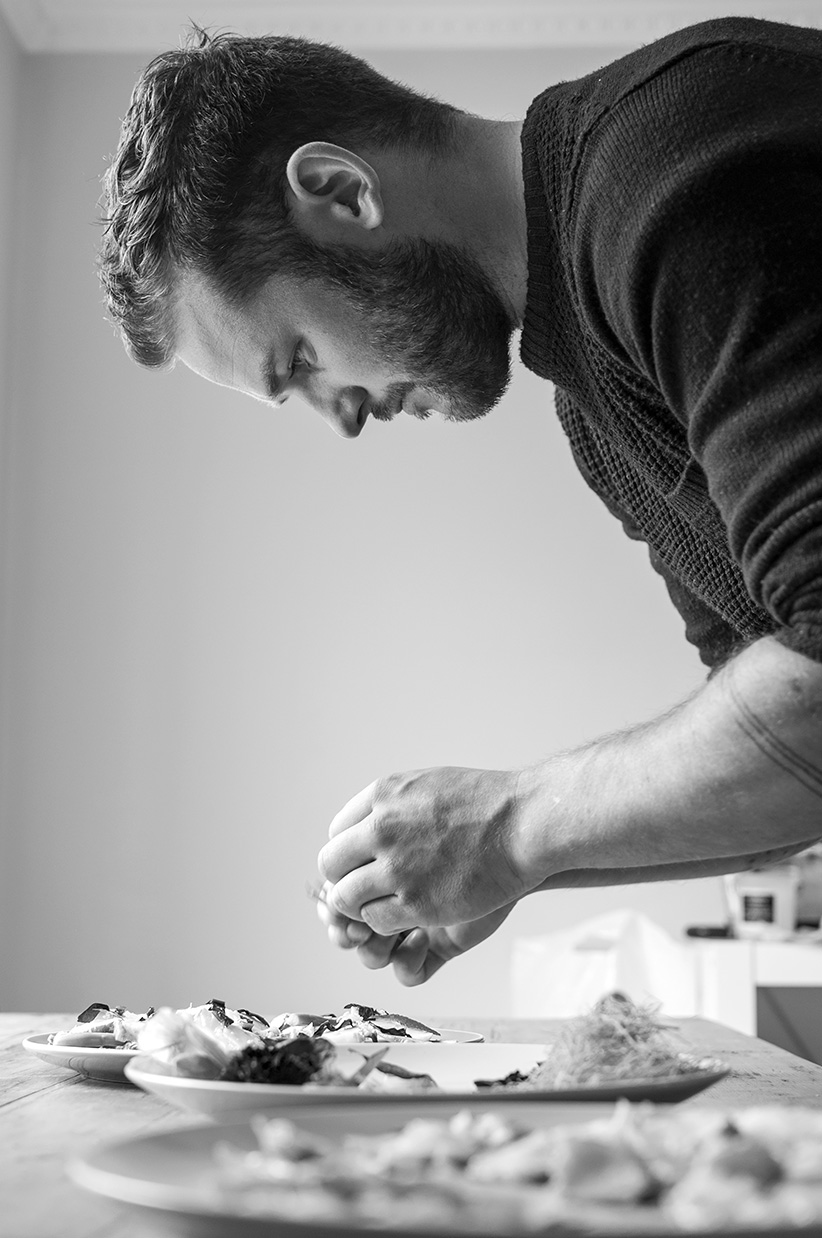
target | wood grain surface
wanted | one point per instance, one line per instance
(48, 1114)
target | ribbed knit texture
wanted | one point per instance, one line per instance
(674, 207)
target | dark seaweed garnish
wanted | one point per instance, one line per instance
(252, 1017)
(217, 1008)
(91, 1012)
(516, 1076)
(369, 1013)
(293, 1061)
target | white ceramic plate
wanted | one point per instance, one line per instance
(169, 1178)
(105, 1064)
(454, 1067)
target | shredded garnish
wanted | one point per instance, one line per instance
(615, 1040)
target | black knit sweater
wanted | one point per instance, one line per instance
(674, 204)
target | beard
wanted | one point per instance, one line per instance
(430, 312)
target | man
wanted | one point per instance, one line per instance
(286, 221)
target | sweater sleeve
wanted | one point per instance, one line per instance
(698, 228)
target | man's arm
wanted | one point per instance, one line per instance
(735, 771)
(417, 955)
(684, 871)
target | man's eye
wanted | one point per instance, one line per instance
(298, 359)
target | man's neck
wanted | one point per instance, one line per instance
(470, 196)
(485, 203)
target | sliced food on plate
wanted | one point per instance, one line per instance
(212, 1041)
(357, 1024)
(114, 1027)
(102, 1027)
(702, 1169)
(177, 1044)
(545, 1168)
(105, 1038)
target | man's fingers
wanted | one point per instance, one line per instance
(349, 850)
(358, 807)
(410, 954)
(342, 932)
(377, 951)
(414, 961)
(348, 935)
(347, 896)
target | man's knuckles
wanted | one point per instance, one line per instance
(387, 917)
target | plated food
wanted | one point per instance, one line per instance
(618, 1050)
(208, 1044)
(700, 1170)
(102, 1027)
(617, 1042)
(357, 1024)
(103, 1039)
(216, 1059)
(442, 1073)
(339, 1171)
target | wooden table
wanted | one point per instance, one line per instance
(48, 1114)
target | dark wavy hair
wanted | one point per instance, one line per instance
(198, 179)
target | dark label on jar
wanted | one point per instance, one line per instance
(758, 907)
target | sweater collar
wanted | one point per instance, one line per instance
(542, 240)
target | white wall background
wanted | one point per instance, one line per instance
(222, 621)
(10, 87)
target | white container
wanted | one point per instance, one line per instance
(762, 903)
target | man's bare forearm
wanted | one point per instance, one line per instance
(686, 871)
(732, 773)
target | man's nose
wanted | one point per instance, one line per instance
(346, 413)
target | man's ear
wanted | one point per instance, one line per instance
(332, 183)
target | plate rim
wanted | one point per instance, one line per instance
(660, 1082)
(37, 1043)
(471, 1038)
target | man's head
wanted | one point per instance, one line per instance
(245, 236)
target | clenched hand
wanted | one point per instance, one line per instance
(431, 848)
(414, 956)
